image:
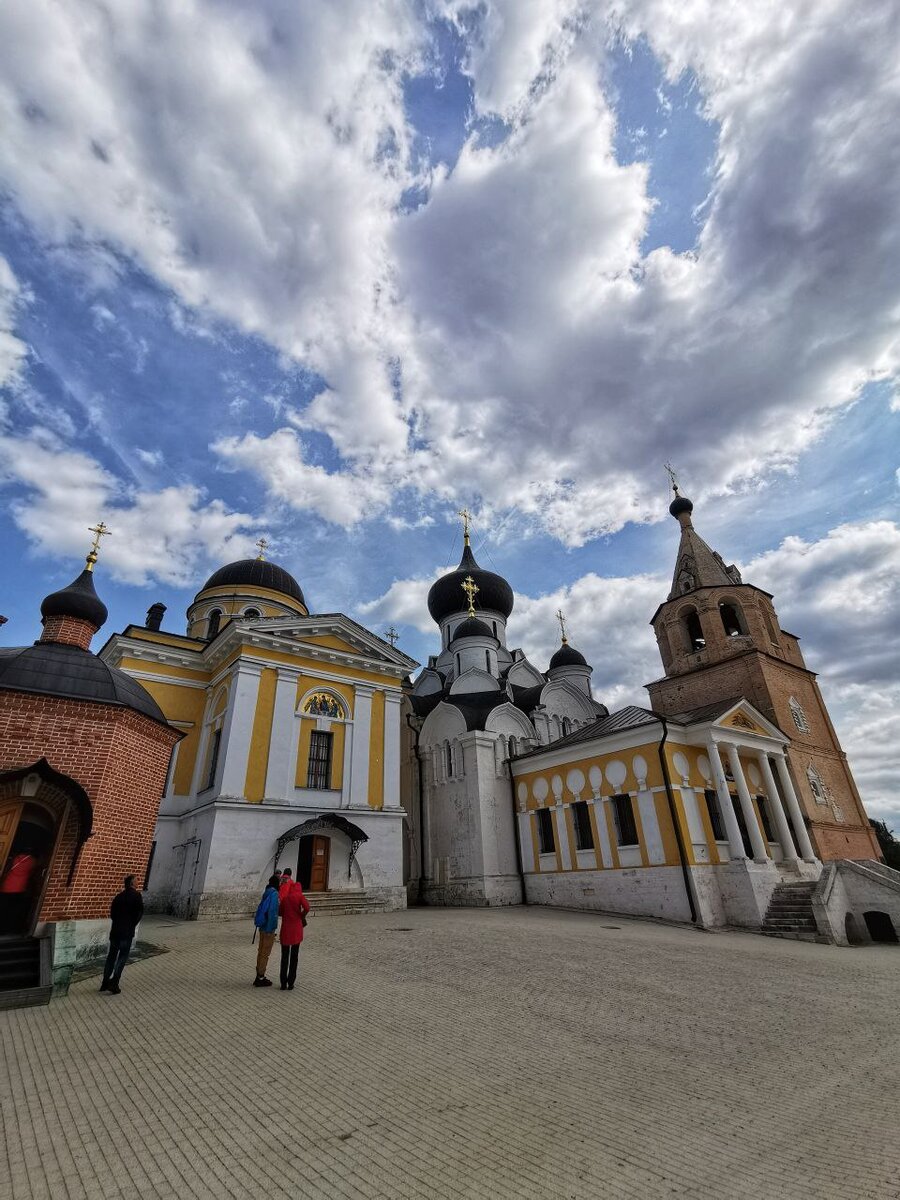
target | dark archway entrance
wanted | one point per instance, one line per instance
(313, 851)
(880, 927)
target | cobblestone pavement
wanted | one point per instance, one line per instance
(430, 1053)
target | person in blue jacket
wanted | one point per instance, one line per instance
(266, 922)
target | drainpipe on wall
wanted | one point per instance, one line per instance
(520, 865)
(420, 789)
(676, 824)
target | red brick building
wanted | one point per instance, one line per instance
(84, 752)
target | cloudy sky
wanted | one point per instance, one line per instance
(326, 272)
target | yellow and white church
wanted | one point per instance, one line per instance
(291, 746)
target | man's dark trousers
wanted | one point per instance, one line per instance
(289, 956)
(119, 949)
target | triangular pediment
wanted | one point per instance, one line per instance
(333, 633)
(742, 717)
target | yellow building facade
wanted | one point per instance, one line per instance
(290, 752)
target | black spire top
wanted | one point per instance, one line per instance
(447, 596)
(78, 600)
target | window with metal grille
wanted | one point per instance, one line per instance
(213, 757)
(799, 715)
(319, 772)
(584, 834)
(626, 827)
(715, 814)
(546, 840)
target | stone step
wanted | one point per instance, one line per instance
(25, 997)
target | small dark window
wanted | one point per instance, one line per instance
(545, 831)
(566, 726)
(487, 660)
(252, 612)
(696, 640)
(731, 620)
(584, 834)
(319, 772)
(212, 623)
(715, 814)
(494, 627)
(449, 761)
(626, 828)
(766, 817)
(213, 757)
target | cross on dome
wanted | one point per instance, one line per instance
(99, 530)
(466, 519)
(561, 617)
(263, 546)
(471, 588)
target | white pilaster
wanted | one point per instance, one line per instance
(347, 772)
(234, 753)
(788, 852)
(282, 742)
(359, 758)
(603, 831)
(392, 702)
(793, 805)
(757, 841)
(656, 855)
(732, 829)
(525, 842)
(562, 836)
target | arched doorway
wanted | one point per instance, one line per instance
(43, 814)
(314, 867)
(880, 927)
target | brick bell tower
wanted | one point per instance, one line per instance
(719, 639)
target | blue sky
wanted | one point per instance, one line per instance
(332, 275)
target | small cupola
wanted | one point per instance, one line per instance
(568, 663)
(73, 615)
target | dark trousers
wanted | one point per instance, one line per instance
(289, 955)
(119, 949)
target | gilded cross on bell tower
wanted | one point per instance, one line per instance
(99, 530)
(471, 588)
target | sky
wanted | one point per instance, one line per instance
(327, 273)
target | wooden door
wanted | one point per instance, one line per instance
(9, 823)
(318, 876)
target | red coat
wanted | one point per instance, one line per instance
(18, 874)
(290, 906)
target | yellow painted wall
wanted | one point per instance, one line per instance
(261, 736)
(313, 666)
(376, 752)
(338, 731)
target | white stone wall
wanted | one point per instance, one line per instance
(657, 892)
(852, 889)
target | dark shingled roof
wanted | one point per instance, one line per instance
(78, 600)
(630, 717)
(446, 595)
(256, 572)
(567, 656)
(54, 669)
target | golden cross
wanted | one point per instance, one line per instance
(392, 635)
(561, 617)
(471, 588)
(671, 473)
(263, 547)
(99, 530)
(466, 518)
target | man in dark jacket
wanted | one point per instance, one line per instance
(125, 913)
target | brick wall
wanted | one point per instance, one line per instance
(71, 631)
(120, 758)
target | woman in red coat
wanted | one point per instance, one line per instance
(293, 907)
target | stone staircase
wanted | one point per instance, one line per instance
(345, 903)
(790, 913)
(25, 977)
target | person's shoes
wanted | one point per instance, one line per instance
(284, 987)
(104, 986)
(261, 981)
(114, 989)
(290, 987)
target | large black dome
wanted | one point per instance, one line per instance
(447, 597)
(472, 627)
(56, 669)
(256, 572)
(567, 656)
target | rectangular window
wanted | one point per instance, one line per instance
(715, 814)
(319, 772)
(584, 834)
(213, 758)
(623, 814)
(546, 840)
(449, 761)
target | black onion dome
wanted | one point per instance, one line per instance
(679, 505)
(446, 595)
(256, 572)
(472, 627)
(55, 669)
(78, 600)
(567, 656)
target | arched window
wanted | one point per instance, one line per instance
(770, 626)
(566, 726)
(324, 704)
(253, 613)
(817, 786)
(799, 715)
(212, 623)
(449, 752)
(693, 629)
(732, 619)
(487, 660)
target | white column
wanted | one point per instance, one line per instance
(347, 773)
(523, 826)
(793, 804)
(562, 836)
(392, 702)
(784, 834)
(359, 758)
(732, 829)
(238, 729)
(757, 841)
(279, 781)
(602, 831)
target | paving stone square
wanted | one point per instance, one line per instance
(463, 1053)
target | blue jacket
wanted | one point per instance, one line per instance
(266, 919)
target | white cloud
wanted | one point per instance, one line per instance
(12, 350)
(168, 535)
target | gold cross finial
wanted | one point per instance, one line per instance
(466, 518)
(99, 530)
(392, 635)
(263, 546)
(670, 470)
(561, 617)
(471, 588)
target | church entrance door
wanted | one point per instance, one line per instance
(312, 863)
(28, 833)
